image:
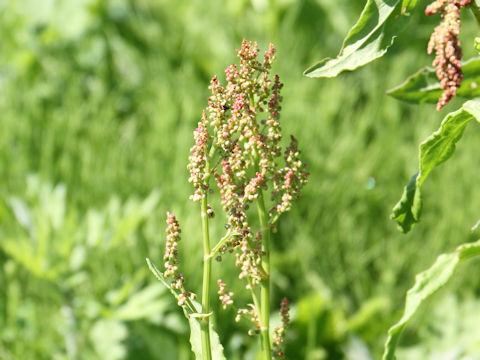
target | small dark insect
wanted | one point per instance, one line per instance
(226, 107)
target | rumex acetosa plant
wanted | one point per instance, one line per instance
(238, 156)
(370, 38)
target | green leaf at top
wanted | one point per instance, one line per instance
(379, 23)
(436, 149)
(426, 284)
(424, 87)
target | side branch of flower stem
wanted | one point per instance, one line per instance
(222, 242)
(207, 269)
(265, 283)
(256, 303)
(207, 272)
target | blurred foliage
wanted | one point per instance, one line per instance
(99, 99)
(450, 332)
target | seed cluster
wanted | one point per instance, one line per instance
(238, 145)
(239, 138)
(252, 315)
(171, 246)
(198, 160)
(279, 331)
(225, 296)
(171, 260)
(448, 53)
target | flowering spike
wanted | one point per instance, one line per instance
(171, 246)
(225, 296)
(289, 180)
(279, 331)
(171, 259)
(198, 160)
(238, 144)
(448, 52)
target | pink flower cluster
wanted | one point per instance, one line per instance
(279, 331)
(198, 160)
(252, 315)
(171, 246)
(224, 295)
(289, 180)
(171, 260)
(448, 53)
(241, 123)
(238, 144)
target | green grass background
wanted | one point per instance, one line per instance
(98, 100)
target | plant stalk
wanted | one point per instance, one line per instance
(207, 266)
(207, 269)
(476, 11)
(265, 283)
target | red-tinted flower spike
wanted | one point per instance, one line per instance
(279, 331)
(448, 53)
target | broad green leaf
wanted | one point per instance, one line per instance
(424, 87)
(426, 284)
(196, 340)
(435, 150)
(379, 23)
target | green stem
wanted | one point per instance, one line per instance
(256, 303)
(207, 267)
(476, 11)
(222, 241)
(265, 283)
(207, 270)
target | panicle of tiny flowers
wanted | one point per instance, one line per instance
(171, 259)
(252, 316)
(226, 297)
(289, 180)
(198, 160)
(248, 259)
(184, 296)
(255, 183)
(239, 134)
(438, 5)
(241, 122)
(448, 52)
(171, 246)
(248, 50)
(279, 331)
(269, 56)
(230, 184)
